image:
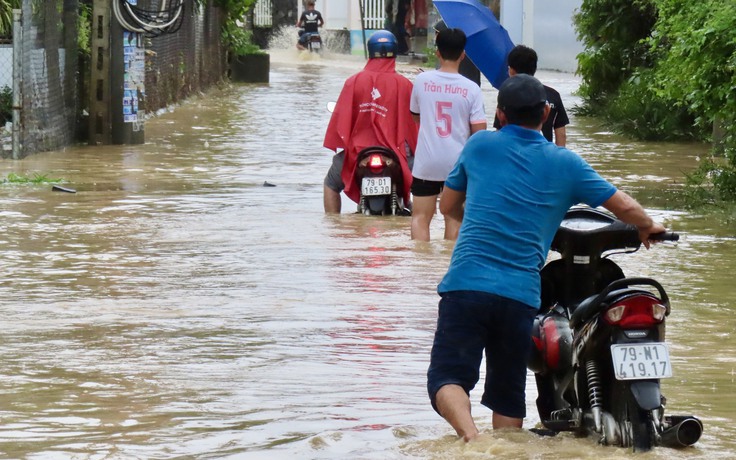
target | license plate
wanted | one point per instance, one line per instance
(316, 45)
(635, 361)
(372, 186)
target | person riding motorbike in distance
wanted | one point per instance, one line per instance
(310, 20)
(372, 110)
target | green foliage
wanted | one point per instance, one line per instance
(665, 69)
(431, 61)
(6, 16)
(235, 9)
(697, 67)
(237, 39)
(36, 178)
(84, 29)
(638, 109)
(6, 104)
(611, 32)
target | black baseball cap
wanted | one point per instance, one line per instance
(520, 92)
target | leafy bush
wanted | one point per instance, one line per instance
(665, 69)
(6, 17)
(637, 109)
(611, 32)
(696, 42)
(238, 40)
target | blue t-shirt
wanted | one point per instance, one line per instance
(518, 187)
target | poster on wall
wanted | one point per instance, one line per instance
(133, 76)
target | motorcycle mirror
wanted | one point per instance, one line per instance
(331, 106)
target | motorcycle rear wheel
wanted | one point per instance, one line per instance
(637, 429)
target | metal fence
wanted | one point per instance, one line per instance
(6, 96)
(263, 13)
(45, 59)
(185, 62)
(53, 84)
(374, 14)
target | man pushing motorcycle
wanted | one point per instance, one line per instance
(511, 188)
(372, 110)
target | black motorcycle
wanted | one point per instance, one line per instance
(598, 349)
(380, 177)
(312, 41)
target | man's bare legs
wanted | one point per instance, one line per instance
(332, 201)
(454, 405)
(423, 209)
(501, 421)
(452, 228)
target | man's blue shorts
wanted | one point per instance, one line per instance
(470, 322)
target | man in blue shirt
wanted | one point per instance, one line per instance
(511, 189)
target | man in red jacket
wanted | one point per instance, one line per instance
(372, 110)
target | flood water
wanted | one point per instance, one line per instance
(175, 307)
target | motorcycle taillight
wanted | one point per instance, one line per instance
(635, 312)
(376, 163)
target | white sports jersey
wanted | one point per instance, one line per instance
(447, 103)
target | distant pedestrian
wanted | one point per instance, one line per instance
(449, 109)
(523, 60)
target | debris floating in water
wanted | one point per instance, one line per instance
(268, 184)
(59, 188)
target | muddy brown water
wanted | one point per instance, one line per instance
(174, 307)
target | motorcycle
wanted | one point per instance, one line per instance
(312, 42)
(379, 176)
(380, 179)
(598, 350)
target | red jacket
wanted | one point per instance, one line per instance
(373, 110)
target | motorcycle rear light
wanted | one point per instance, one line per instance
(636, 312)
(376, 163)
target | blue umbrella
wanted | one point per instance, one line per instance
(488, 42)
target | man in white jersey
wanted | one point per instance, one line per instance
(449, 109)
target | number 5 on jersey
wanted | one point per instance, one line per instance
(444, 120)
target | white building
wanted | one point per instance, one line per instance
(543, 25)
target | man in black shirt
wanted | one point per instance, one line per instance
(522, 59)
(311, 20)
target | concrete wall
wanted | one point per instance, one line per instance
(547, 27)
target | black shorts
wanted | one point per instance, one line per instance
(469, 323)
(421, 187)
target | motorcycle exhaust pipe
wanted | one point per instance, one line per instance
(685, 431)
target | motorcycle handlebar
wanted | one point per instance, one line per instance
(664, 236)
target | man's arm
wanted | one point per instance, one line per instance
(561, 136)
(631, 212)
(451, 203)
(475, 127)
